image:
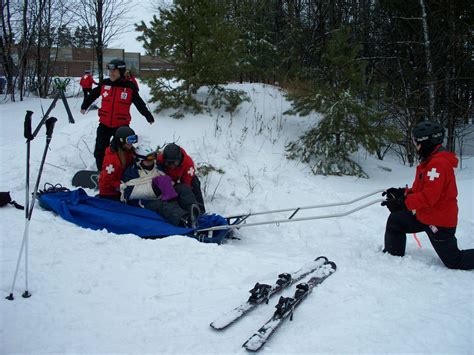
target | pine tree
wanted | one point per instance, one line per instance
(350, 118)
(257, 55)
(83, 37)
(200, 41)
(64, 37)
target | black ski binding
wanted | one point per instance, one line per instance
(284, 305)
(259, 292)
(283, 279)
(301, 289)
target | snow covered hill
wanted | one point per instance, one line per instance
(95, 292)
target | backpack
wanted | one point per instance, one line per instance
(5, 199)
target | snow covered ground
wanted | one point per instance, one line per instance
(96, 292)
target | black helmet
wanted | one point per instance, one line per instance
(172, 152)
(117, 64)
(428, 133)
(124, 135)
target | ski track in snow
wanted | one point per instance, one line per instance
(96, 292)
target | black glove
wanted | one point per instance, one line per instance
(150, 119)
(394, 193)
(395, 204)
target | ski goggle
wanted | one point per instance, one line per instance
(112, 66)
(131, 139)
(149, 157)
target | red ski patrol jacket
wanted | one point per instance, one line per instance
(117, 97)
(434, 192)
(182, 173)
(112, 169)
(86, 81)
(133, 80)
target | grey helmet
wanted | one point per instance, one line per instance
(172, 152)
(118, 64)
(123, 135)
(428, 133)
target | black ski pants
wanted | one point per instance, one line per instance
(175, 211)
(186, 196)
(196, 187)
(169, 210)
(86, 91)
(443, 240)
(102, 141)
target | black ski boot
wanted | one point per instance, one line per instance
(194, 213)
(190, 220)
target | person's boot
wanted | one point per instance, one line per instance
(190, 220)
(194, 213)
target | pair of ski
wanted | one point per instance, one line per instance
(319, 270)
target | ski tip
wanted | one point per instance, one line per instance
(251, 350)
(215, 327)
(333, 265)
(250, 347)
(321, 258)
(219, 325)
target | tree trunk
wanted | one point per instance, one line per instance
(429, 63)
(100, 40)
(39, 69)
(6, 42)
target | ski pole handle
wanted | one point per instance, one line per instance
(50, 126)
(27, 130)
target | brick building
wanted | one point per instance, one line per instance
(73, 61)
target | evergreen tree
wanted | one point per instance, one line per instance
(202, 44)
(83, 37)
(64, 38)
(350, 116)
(258, 57)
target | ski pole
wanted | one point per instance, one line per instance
(29, 137)
(297, 209)
(278, 221)
(27, 134)
(24, 244)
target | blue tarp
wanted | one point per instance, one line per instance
(97, 213)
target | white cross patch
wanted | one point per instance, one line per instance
(433, 174)
(105, 94)
(110, 169)
(191, 171)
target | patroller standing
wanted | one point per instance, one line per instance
(117, 96)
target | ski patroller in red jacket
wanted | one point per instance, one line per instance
(117, 97)
(434, 192)
(112, 170)
(183, 173)
(86, 81)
